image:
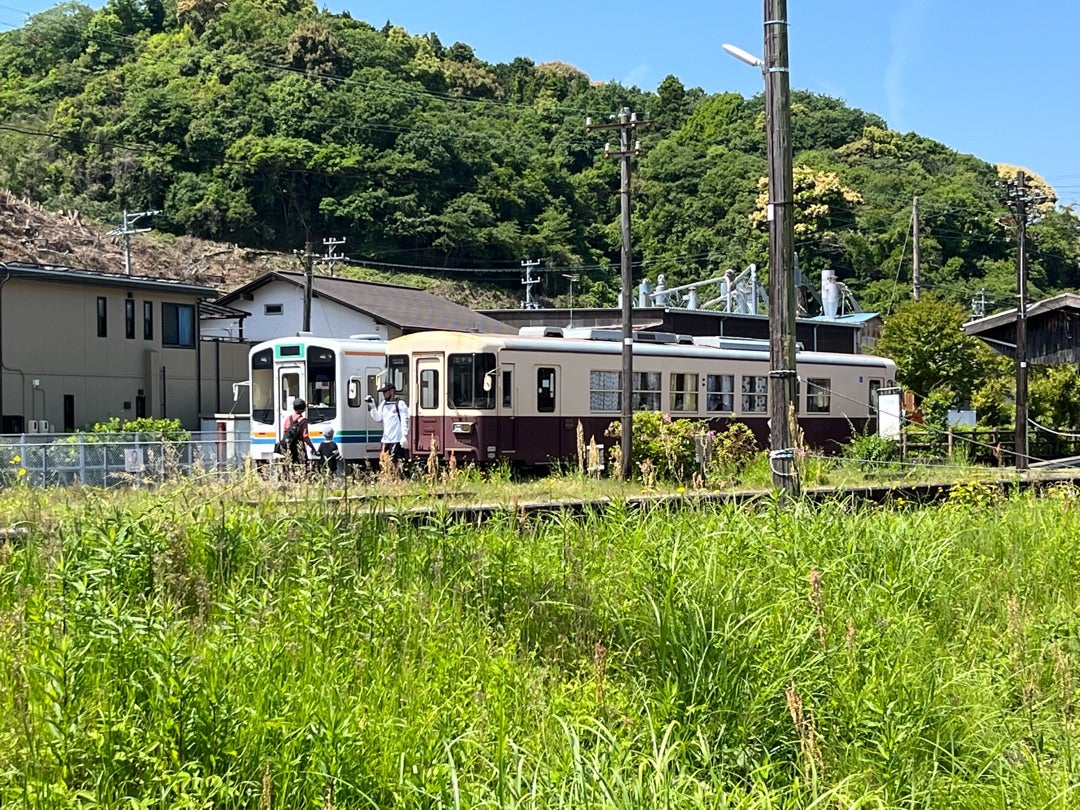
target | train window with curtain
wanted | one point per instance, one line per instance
(720, 393)
(472, 384)
(545, 390)
(755, 394)
(604, 390)
(684, 392)
(818, 395)
(646, 390)
(429, 388)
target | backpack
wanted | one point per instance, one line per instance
(293, 435)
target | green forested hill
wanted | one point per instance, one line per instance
(269, 122)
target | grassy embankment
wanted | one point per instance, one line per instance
(198, 645)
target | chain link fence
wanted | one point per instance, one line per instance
(104, 460)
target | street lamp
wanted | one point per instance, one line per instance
(571, 277)
(782, 373)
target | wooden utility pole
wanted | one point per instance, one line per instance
(626, 122)
(307, 260)
(916, 287)
(1020, 440)
(782, 373)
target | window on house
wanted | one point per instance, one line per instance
(274, 309)
(148, 320)
(102, 317)
(129, 319)
(178, 326)
(755, 398)
(720, 393)
(818, 394)
(683, 392)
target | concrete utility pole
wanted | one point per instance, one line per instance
(782, 375)
(126, 229)
(626, 121)
(330, 258)
(307, 259)
(916, 278)
(528, 283)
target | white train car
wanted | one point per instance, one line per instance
(333, 375)
(520, 398)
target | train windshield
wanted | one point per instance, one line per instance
(468, 373)
(262, 387)
(321, 384)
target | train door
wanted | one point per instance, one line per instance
(550, 433)
(290, 384)
(429, 423)
(507, 418)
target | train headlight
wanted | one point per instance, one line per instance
(462, 428)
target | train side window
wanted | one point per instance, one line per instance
(755, 397)
(507, 389)
(720, 393)
(646, 390)
(818, 395)
(683, 392)
(545, 390)
(605, 388)
(429, 388)
(875, 392)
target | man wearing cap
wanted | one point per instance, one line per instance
(394, 415)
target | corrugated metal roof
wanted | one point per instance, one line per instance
(406, 308)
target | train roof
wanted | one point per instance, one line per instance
(472, 342)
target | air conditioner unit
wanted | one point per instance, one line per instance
(32, 426)
(44, 427)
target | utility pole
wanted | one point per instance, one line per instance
(528, 283)
(126, 229)
(1019, 197)
(331, 258)
(571, 277)
(782, 374)
(307, 259)
(625, 122)
(916, 288)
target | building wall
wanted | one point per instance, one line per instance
(49, 333)
(265, 322)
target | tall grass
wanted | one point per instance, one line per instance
(192, 647)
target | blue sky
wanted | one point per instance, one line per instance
(991, 78)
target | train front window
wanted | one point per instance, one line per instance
(321, 384)
(290, 389)
(262, 386)
(397, 372)
(472, 384)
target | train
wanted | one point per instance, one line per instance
(520, 398)
(333, 375)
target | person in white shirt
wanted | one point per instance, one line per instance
(394, 415)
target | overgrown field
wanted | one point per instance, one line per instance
(194, 647)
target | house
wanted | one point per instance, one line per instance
(275, 306)
(80, 346)
(1052, 329)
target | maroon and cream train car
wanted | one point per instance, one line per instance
(520, 398)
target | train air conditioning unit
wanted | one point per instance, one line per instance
(32, 426)
(44, 426)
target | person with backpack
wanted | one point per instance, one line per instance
(394, 415)
(294, 433)
(328, 453)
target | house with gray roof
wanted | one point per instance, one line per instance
(275, 305)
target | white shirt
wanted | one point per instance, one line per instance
(394, 415)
